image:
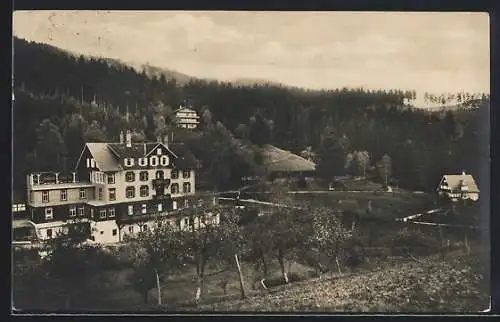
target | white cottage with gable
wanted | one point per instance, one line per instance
(458, 187)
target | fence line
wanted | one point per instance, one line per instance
(442, 225)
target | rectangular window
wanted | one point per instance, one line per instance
(145, 227)
(143, 176)
(186, 203)
(72, 211)
(88, 163)
(45, 196)
(111, 212)
(144, 191)
(160, 207)
(130, 210)
(49, 233)
(92, 213)
(158, 151)
(144, 208)
(130, 192)
(129, 176)
(64, 194)
(175, 174)
(83, 193)
(81, 211)
(131, 229)
(174, 205)
(114, 232)
(102, 213)
(186, 174)
(49, 214)
(111, 178)
(112, 194)
(100, 193)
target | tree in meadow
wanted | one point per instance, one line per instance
(154, 253)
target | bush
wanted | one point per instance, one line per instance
(414, 242)
(292, 277)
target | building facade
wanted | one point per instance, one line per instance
(186, 118)
(117, 189)
(458, 187)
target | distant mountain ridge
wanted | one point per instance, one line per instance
(181, 78)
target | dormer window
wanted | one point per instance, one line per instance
(164, 160)
(153, 161)
(143, 162)
(129, 162)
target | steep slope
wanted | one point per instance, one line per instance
(456, 284)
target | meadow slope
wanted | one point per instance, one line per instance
(454, 284)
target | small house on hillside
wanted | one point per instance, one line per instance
(186, 117)
(281, 164)
(458, 187)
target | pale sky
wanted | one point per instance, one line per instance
(435, 52)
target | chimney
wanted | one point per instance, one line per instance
(158, 139)
(463, 173)
(165, 141)
(122, 140)
(128, 139)
(145, 151)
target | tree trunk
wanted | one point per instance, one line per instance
(338, 264)
(264, 263)
(200, 267)
(282, 265)
(242, 286)
(441, 241)
(158, 287)
(467, 246)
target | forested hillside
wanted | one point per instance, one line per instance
(62, 100)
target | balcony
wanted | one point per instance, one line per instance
(42, 178)
(161, 182)
(161, 197)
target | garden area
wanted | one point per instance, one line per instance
(335, 254)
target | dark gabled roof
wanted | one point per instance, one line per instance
(186, 158)
(106, 161)
(135, 151)
(108, 155)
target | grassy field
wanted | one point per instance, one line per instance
(431, 284)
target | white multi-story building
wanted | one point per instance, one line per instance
(117, 189)
(186, 117)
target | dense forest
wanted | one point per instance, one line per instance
(64, 100)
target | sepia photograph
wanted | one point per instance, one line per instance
(250, 162)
